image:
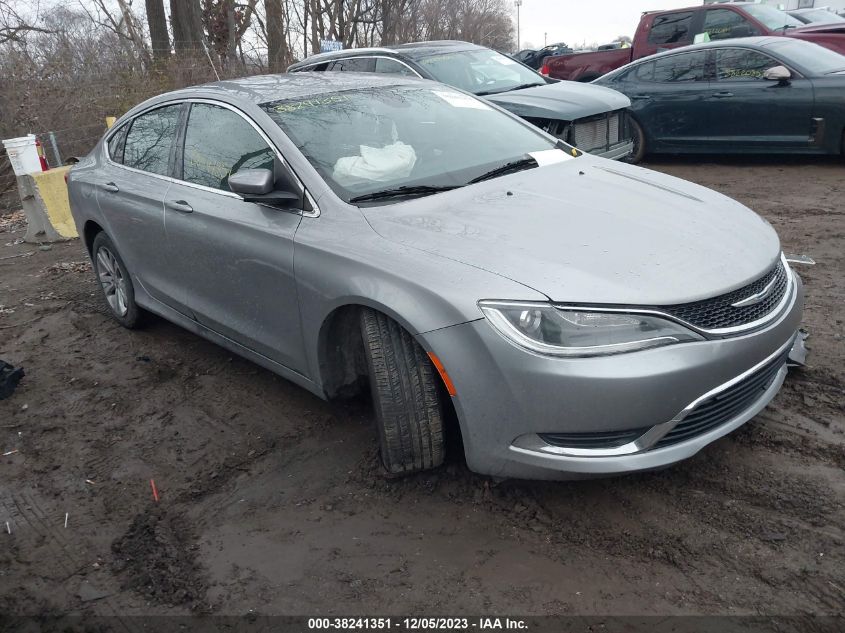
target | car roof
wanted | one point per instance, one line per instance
(269, 88)
(700, 6)
(414, 50)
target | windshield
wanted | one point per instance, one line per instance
(480, 71)
(374, 139)
(821, 16)
(773, 19)
(812, 57)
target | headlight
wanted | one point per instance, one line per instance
(545, 329)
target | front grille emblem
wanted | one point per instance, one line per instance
(756, 297)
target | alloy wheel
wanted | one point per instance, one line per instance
(113, 281)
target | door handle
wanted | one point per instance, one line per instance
(640, 97)
(110, 187)
(723, 95)
(181, 206)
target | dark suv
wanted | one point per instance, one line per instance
(592, 118)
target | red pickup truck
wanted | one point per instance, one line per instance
(662, 30)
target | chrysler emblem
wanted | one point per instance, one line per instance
(757, 297)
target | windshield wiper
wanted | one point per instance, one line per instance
(519, 87)
(402, 192)
(507, 168)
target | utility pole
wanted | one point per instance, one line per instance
(517, 4)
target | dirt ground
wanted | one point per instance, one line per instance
(271, 501)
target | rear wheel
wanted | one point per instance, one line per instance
(638, 136)
(115, 282)
(406, 398)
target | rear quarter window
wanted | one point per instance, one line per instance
(115, 144)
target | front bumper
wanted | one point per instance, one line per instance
(507, 398)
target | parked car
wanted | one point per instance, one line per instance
(749, 95)
(664, 30)
(579, 316)
(821, 15)
(592, 120)
(534, 59)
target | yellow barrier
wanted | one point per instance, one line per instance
(53, 193)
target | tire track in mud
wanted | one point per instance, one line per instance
(44, 529)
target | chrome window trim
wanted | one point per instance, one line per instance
(344, 57)
(534, 443)
(229, 194)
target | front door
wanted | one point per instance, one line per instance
(752, 113)
(234, 259)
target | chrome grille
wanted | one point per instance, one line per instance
(724, 406)
(717, 313)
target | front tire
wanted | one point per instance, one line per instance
(115, 282)
(406, 396)
(638, 135)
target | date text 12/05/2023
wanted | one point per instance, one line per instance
(418, 624)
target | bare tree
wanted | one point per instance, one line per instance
(157, 22)
(186, 21)
(277, 37)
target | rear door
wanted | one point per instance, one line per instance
(234, 258)
(131, 191)
(668, 97)
(749, 112)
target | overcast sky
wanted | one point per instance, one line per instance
(576, 21)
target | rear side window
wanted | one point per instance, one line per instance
(150, 139)
(680, 68)
(671, 27)
(392, 67)
(721, 24)
(738, 64)
(357, 65)
(218, 143)
(116, 144)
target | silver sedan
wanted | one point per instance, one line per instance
(575, 316)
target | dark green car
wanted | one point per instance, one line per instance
(749, 95)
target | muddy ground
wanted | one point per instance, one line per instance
(271, 500)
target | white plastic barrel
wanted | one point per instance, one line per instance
(23, 154)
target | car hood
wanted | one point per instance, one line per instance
(834, 27)
(591, 231)
(566, 100)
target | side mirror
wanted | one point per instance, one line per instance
(780, 74)
(257, 185)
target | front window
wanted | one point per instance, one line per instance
(374, 139)
(773, 19)
(219, 143)
(738, 64)
(480, 71)
(722, 24)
